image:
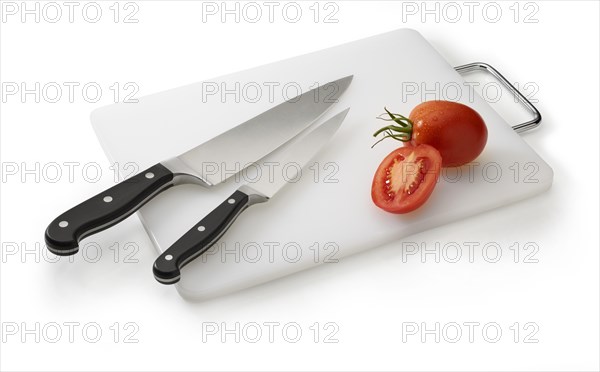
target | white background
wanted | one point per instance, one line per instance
(368, 299)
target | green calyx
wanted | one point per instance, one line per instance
(400, 132)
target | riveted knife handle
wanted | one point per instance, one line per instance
(199, 238)
(105, 209)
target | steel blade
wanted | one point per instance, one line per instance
(295, 158)
(254, 139)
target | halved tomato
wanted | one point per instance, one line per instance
(406, 178)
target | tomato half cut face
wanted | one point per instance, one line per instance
(406, 178)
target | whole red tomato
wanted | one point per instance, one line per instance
(457, 131)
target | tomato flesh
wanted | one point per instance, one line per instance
(406, 178)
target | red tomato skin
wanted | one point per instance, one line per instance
(457, 131)
(406, 203)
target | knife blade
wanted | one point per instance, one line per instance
(240, 146)
(204, 234)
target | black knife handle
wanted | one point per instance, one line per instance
(105, 209)
(199, 238)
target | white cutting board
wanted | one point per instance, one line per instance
(336, 219)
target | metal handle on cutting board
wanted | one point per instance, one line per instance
(482, 66)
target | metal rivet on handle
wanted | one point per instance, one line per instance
(108, 199)
(201, 228)
(231, 201)
(168, 257)
(63, 224)
(149, 175)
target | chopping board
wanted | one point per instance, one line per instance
(327, 214)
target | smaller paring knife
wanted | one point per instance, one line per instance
(167, 267)
(242, 145)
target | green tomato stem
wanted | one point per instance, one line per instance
(401, 132)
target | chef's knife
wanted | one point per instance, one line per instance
(238, 147)
(206, 232)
